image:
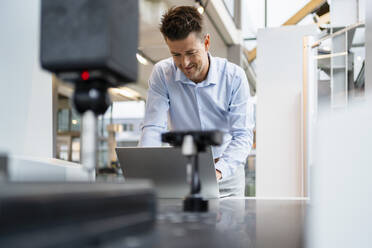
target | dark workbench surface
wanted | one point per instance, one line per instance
(231, 222)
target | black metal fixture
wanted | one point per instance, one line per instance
(192, 143)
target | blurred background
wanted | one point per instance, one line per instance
(296, 55)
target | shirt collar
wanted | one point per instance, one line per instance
(212, 76)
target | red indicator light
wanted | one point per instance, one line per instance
(85, 75)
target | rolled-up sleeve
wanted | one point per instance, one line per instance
(156, 113)
(241, 126)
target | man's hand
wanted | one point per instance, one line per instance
(218, 174)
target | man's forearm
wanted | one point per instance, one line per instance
(235, 154)
(151, 136)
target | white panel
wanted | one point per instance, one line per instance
(341, 186)
(343, 12)
(368, 83)
(362, 10)
(279, 88)
(25, 90)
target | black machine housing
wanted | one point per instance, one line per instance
(97, 36)
(91, 43)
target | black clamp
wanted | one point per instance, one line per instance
(193, 142)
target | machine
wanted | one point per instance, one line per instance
(193, 142)
(91, 44)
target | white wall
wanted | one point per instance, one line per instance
(279, 86)
(368, 66)
(25, 90)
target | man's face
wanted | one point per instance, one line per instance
(191, 56)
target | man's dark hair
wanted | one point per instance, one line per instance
(180, 21)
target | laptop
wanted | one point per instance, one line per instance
(166, 167)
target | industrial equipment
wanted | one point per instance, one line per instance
(91, 44)
(193, 142)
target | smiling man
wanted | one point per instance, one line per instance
(196, 91)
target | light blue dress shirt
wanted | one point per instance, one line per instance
(219, 102)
